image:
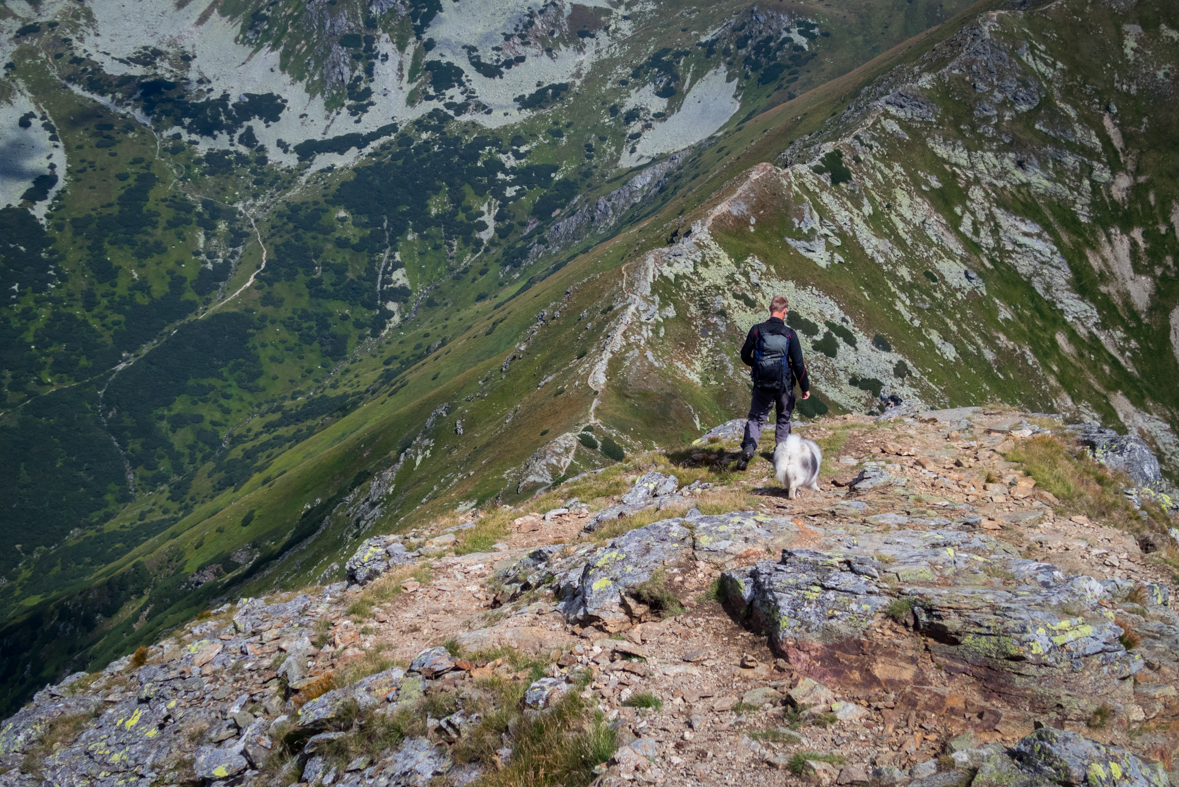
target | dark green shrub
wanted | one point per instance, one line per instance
(827, 345)
(881, 343)
(869, 384)
(811, 408)
(802, 324)
(587, 439)
(843, 333)
(901, 370)
(612, 450)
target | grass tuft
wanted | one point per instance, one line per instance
(1100, 718)
(139, 657)
(899, 609)
(797, 764)
(656, 594)
(644, 700)
(1129, 638)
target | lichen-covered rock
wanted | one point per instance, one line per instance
(131, 743)
(1124, 453)
(1067, 758)
(726, 538)
(729, 430)
(530, 571)
(649, 487)
(600, 591)
(544, 692)
(415, 762)
(214, 764)
(253, 615)
(648, 491)
(432, 662)
(981, 611)
(376, 556)
(23, 729)
(319, 714)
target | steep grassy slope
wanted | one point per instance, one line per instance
(435, 327)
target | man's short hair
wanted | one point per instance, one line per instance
(778, 304)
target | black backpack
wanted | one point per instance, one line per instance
(771, 370)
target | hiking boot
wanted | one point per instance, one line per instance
(743, 460)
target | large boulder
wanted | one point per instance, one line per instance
(647, 492)
(1067, 758)
(602, 590)
(376, 556)
(322, 713)
(1027, 633)
(725, 539)
(1124, 453)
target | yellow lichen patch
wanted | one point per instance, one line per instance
(1115, 769)
(608, 557)
(131, 722)
(1069, 636)
(604, 582)
(1096, 773)
(220, 772)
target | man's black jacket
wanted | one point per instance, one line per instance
(793, 354)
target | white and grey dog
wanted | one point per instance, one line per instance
(796, 464)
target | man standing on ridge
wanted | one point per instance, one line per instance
(773, 352)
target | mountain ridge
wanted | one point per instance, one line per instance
(926, 632)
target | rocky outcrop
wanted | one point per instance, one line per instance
(652, 490)
(1123, 453)
(604, 586)
(1067, 758)
(1022, 630)
(376, 556)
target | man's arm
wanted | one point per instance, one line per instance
(798, 367)
(750, 344)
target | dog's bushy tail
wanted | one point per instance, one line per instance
(782, 454)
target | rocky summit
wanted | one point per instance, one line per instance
(995, 610)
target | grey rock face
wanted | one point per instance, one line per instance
(599, 591)
(529, 572)
(1067, 758)
(908, 104)
(374, 557)
(870, 478)
(294, 668)
(646, 492)
(320, 714)
(982, 611)
(253, 615)
(725, 538)
(1124, 453)
(729, 430)
(544, 692)
(649, 487)
(216, 764)
(433, 662)
(416, 762)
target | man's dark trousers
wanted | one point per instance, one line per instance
(759, 411)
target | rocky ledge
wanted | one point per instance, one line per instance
(932, 619)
